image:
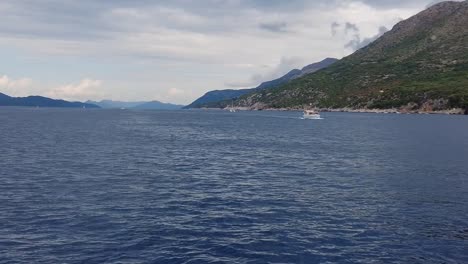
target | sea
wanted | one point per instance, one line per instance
(199, 186)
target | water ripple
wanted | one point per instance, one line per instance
(213, 187)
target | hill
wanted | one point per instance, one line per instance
(420, 65)
(221, 98)
(109, 104)
(156, 105)
(39, 101)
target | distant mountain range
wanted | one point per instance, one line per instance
(109, 104)
(221, 98)
(39, 101)
(420, 65)
(154, 105)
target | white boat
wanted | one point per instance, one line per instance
(311, 114)
(232, 109)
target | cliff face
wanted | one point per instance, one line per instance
(421, 63)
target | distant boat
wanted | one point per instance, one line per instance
(311, 114)
(232, 109)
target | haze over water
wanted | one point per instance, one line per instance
(112, 186)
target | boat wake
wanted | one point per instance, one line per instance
(319, 118)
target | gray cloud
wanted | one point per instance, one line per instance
(356, 43)
(69, 19)
(276, 27)
(351, 28)
(334, 28)
(285, 65)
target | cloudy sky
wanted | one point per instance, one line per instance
(176, 50)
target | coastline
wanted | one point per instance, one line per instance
(454, 111)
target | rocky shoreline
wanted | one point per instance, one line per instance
(454, 111)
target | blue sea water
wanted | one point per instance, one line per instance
(113, 186)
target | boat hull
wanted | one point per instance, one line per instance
(316, 116)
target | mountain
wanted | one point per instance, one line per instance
(212, 98)
(39, 101)
(221, 98)
(156, 105)
(4, 97)
(317, 66)
(109, 104)
(420, 65)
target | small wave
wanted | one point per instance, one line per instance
(302, 118)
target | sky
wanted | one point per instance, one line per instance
(177, 50)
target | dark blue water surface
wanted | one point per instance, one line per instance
(113, 186)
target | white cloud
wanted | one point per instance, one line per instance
(285, 65)
(6, 82)
(15, 87)
(174, 92)
(84, 90)
(172, 95)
